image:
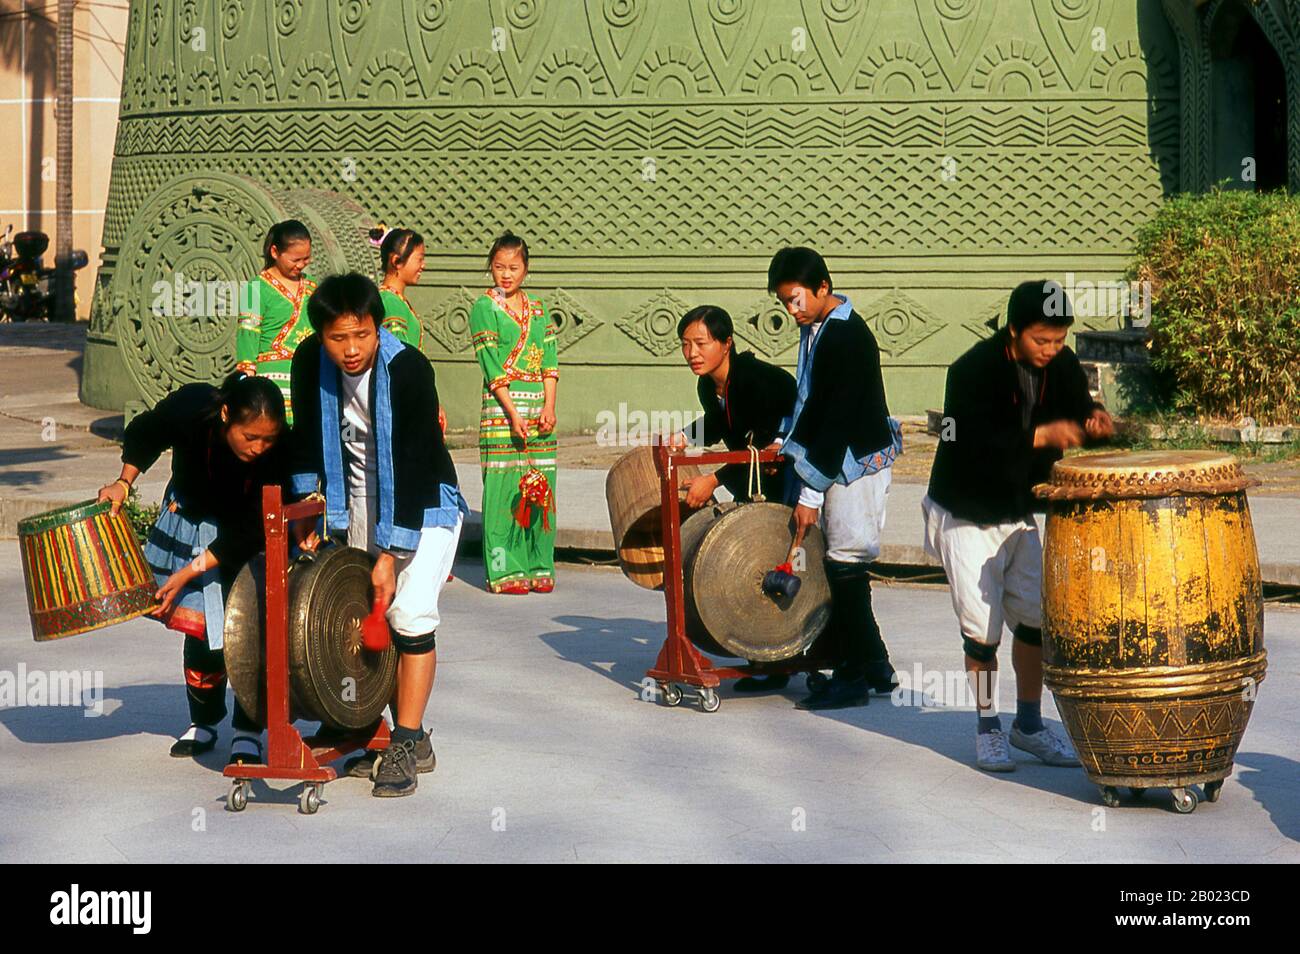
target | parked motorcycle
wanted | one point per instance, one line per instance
(26, 286)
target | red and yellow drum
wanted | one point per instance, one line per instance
(84, 569)
(1153, 616)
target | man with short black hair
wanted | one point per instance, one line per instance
(367, 433)
(1013, 403)
(841, 443)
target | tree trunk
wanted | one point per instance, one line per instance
(64, 305)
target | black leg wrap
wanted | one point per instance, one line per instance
(1029, 635)
(858, 642)
(415, 645)
(980, 652)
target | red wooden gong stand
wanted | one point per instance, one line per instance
(290, 757)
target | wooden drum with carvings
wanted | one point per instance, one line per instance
(1153, 616)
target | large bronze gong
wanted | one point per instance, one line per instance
(332, 678)
(726, 550)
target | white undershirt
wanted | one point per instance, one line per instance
(358, 441)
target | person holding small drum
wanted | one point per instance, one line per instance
(226, 444)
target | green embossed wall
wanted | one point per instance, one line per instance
(654, 153)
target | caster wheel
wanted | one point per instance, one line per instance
(1137, 792)
(710, 701)
(237, 798)
(1110, 796)
(816, 680)
(309, 800)
(1184, 800)
(1212, 790)
(672, 694)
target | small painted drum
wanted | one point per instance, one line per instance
(84, 570)
(1153, 615)
(633, 496)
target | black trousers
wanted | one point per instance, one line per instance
(205, 686)
(852, 642)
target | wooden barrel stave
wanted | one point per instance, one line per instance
(632, 493)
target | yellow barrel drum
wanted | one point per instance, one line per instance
(1153, 617)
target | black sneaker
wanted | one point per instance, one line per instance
(205, 738)
(397, 771)
(838, 694)
(882, 678)
(773, 683)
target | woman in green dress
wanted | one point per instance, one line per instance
(402, 252)
(515, 345)
(273, 321)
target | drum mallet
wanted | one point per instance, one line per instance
(781, 580)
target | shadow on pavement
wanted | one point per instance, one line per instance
(1270, 778)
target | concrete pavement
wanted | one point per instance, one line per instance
(547, 751)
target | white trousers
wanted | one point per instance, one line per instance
(995, 573)
(420, 575)
(853, 517)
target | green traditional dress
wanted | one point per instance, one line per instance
(399, 318)
(271, 327)
(519, 352)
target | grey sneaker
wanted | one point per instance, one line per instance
(366, 765)
(992, 753)
(396, 774)
(1047, 744)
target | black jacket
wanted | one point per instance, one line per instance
(846, 407)
(986, 472)
(758, 397)
(208, 481)
(423, 477)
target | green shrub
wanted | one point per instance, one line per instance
(141, 516)
(1224, 269)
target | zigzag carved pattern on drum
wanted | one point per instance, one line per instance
(693, 129)
(1180, 720)
(1027, 203)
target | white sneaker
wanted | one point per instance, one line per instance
(1047, 744)
(992, 753)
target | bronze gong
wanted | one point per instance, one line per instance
(332, 678)
(726, 550)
